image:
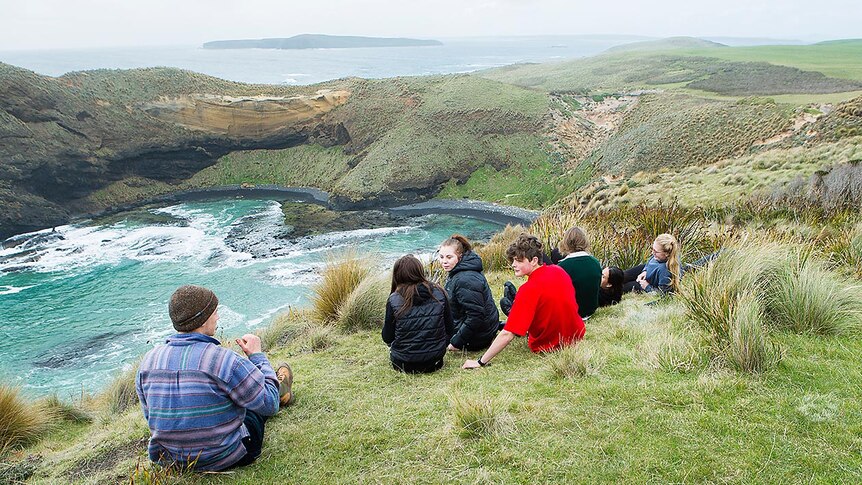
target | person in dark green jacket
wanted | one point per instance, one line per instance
(583, 268)
(473, 309)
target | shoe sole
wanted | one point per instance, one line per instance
(282, 378)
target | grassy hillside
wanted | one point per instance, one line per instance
(651, 407)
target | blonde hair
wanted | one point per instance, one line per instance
(670, 246)
(574, 240)
(460, 243)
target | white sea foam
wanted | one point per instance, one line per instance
(11, 290)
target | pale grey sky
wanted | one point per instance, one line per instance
(48, 24)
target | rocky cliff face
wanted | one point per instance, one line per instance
(62, 138)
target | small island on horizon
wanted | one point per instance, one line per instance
(319, 41)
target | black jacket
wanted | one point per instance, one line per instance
(422, 334)
(473, 308)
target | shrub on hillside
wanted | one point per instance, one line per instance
(365, 307)
(340, 278)
(21, 423)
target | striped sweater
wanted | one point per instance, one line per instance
(195, 393)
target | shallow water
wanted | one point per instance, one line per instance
(83, 301)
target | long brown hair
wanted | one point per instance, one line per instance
(407, 274)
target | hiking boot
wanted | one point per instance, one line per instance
(285, 380)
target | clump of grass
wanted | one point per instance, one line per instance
(149, 473)
(575, 361)
(723, 300)
(318, 338)
(806, 298)
(21, 422)
(478, 417)
(493, 253)
(364, 307)
(120, 395)
(848, 252)
(65, 411)
(340, 278)
(749, 348)
(672, 353)
(284, 328)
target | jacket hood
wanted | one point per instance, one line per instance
(470, 261)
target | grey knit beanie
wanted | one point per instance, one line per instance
(191, 306)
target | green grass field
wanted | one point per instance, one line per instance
(632, 418)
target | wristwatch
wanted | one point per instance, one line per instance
(481, 364)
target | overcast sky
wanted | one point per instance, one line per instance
(48, 24)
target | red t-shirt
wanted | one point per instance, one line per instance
(545, 309)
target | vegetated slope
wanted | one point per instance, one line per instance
(666, 44)
(675, 131)
(648, 408)
(629, 71)
(93, 139)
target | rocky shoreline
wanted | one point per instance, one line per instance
(486, 211)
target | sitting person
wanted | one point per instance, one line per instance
(660, 273)
(545, 308)
(611, 287)
(205, 405)
(473, 308)
(583, 268)
(418, 322)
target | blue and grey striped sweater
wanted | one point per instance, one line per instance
(195, 393)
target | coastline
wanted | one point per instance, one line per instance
(486, 211)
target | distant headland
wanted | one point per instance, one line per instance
(319, 41)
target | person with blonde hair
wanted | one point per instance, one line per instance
(583, 268)
(661, 273)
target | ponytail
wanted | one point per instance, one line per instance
(460, 243)
(670, 246)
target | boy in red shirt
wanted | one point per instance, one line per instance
(545, 308)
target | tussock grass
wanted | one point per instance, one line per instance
(749, 348)
(340, 277)
(21, 422)
(65, 411)
(493, 253)
(805, 297)
(479, 417)
(575, 361)
(316, 339)
(119, 396)
(364, 308)
(285, 328)
(672, 353)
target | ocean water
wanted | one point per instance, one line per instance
(83, 301)
(308, 66)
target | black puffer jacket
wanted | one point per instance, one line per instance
(473, 308)
(421, 334)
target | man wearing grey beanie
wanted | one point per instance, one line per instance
(206, 405)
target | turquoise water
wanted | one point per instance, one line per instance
(83, 302)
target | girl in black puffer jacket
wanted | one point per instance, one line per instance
(418, 322)
(473, 309)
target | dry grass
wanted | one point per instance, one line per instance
(21, 422)
(120, 395)
(493, 253)
(285, 328)
(340, 277)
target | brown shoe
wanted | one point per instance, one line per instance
(285, 380)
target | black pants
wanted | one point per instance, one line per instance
(417, 367)
(254, 441)
(630, 277)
